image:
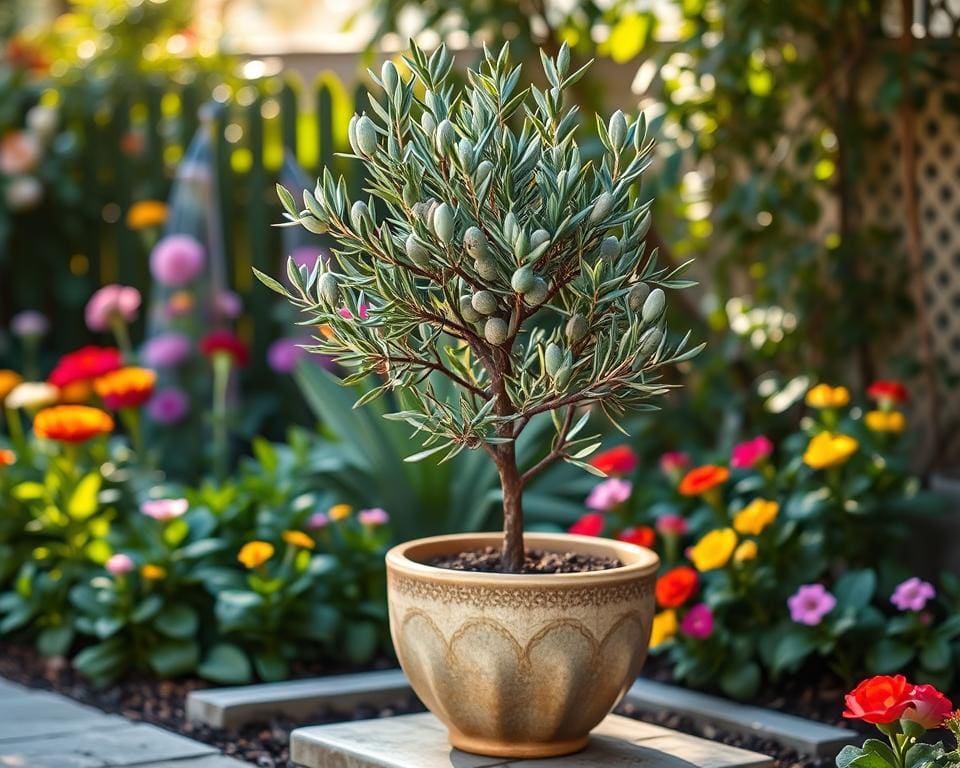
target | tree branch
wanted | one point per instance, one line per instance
(556, 452)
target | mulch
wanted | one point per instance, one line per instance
(162, 703)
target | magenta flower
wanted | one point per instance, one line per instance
(375, 516)
(346, 314)
(119, 564)
(674, 461)
(111, 302)
(164, 509)
(284, 354)
(810, 603)
(166, 350)
(176, 260)
(318, 520)
(698, 622)
(747, 454)
(913, 594)
(168, 405)
(609, 493)
(29, 324)
(672, 525)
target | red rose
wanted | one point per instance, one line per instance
(888, 391)
(590, 524)
(617, 461)
(676, 586)
(85, 364)
(223, 341)
(879, 700)
(928, 707)
(642, 536)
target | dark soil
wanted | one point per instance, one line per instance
(488, 560)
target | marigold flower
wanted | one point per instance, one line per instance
(755, 517)
(714, 549)
(8, 381)
(7, 457)
(745, 552)
(621, 460)
(109, 302)
(699, 480)
(590, 524)
(698, 622)
(224, 342)
(339, 512)
(641, 536)
(828, 449)
(298, 539)
(253, 554)
(153, 572)
(677, 586)
(126, 388)
(825, 396)
(31, 395)
(85, 364)
(885, 421)
(76, 392)
(665, 627)
(146, 214)
(747, 454)
(887, 391)
(72, 423)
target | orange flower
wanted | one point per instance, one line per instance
(298, 539)
(145, 214)
(7, 457)
(125, 388)
(676, 586)
(253, 554)
(153, 572)
(72, 423)
(702, 479)
(76, 392)
(8, 381)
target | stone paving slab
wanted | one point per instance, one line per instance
(420, 741)
(35, 714)
(806, 736)
(8, 689)
(215, 761)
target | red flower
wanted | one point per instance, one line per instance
(223, 341)
(879, 700)
(677, 586)
(928, 707)
(642, 536)
(85, 364)
(702, 479)
(590, 524)
(888, 391)
(617, 461)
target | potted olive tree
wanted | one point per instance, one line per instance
(490, 253)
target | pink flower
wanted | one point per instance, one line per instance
(672, 525)
(19, 153)
(913, 594)
(608, 494)
(928, 707)
(673, 462)
(284, 354)
(346, 314)
(227, 305)
(810, 603)
(176, 260)
(119, 564)
(375, 516)
(110, 302)
(164, 509)
(590, 524)
(168, 405)
(166, 350)
(29, 324)
(746, 455)
(698, 622)
(318, 520)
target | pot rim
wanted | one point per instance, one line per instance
(640, 561)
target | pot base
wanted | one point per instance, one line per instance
(521, 751)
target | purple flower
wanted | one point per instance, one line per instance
(119, 564)
(110, 302)
(698, 622)
(227, 305)
(166, 350)
(164, 509)
(29, 324)
(810, 603)
(176, 260)
(375, 516)
(318, 520)
(913, 594)
(168, 405)
(284, 354)
(609, 493)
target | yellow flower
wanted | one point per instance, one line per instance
(664, 627)
(145, 214)
(757, 515)
(339, 511)
(714, 550)
(8, 380)
(153, 572)
(255, 553)
(298, 539)
(885, 421)
(825, 396)
(746, 551)
(828, 449)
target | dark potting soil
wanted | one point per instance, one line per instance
(489, 560)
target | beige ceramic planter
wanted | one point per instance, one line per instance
(520, 666)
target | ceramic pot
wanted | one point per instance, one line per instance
(520, 665)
